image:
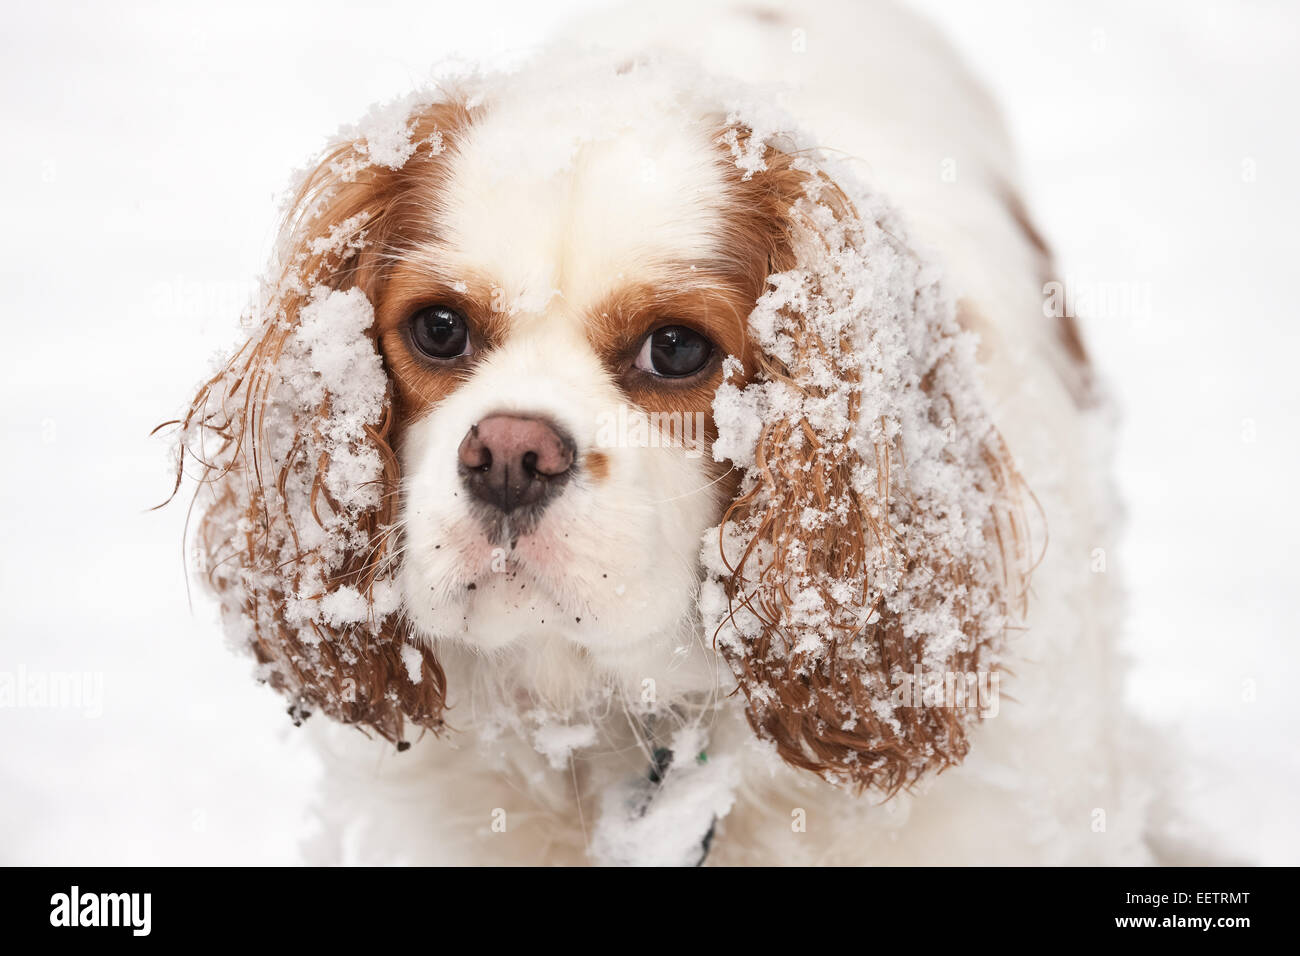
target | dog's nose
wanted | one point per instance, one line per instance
(509, 461)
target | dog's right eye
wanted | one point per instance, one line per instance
(440, 332)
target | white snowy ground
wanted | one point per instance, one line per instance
(144, 145)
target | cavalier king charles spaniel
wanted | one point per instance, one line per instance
(650, 451)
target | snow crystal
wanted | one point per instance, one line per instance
(413, 660)
(557, 741)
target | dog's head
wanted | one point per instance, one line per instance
(590, 360)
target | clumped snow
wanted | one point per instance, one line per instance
(669, 821)
(327, 361)
(557, 741)
(384, 137)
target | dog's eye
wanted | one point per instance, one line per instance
(674, 351)
(440, 332)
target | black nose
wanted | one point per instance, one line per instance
(512, 462)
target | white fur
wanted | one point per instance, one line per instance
(556, 207)
(558, 210)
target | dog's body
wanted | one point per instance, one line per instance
(683, 778)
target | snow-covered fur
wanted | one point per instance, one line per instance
(834, 598)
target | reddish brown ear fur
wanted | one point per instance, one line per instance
(820, 708)
(353, 672)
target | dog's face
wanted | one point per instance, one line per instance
(599, 366)
(556, 344)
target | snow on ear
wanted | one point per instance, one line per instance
(877, 549)
(298, 480)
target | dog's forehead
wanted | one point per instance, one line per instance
(577, 200)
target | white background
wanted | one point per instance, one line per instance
(144, 148)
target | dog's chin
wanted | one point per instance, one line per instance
(534, 589)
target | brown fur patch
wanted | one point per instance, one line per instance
(596, 464)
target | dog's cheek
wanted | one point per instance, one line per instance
(437, 549)
(676, 501)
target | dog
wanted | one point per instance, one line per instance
(669, 453)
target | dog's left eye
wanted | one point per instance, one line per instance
(440, 332)
(674, 351)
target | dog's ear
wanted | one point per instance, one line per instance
(880, 531)
(299, 483)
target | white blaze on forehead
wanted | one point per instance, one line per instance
(577, 190)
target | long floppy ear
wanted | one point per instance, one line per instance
(299, 482)
(878, 544)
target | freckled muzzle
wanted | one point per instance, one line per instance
(515, 466)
